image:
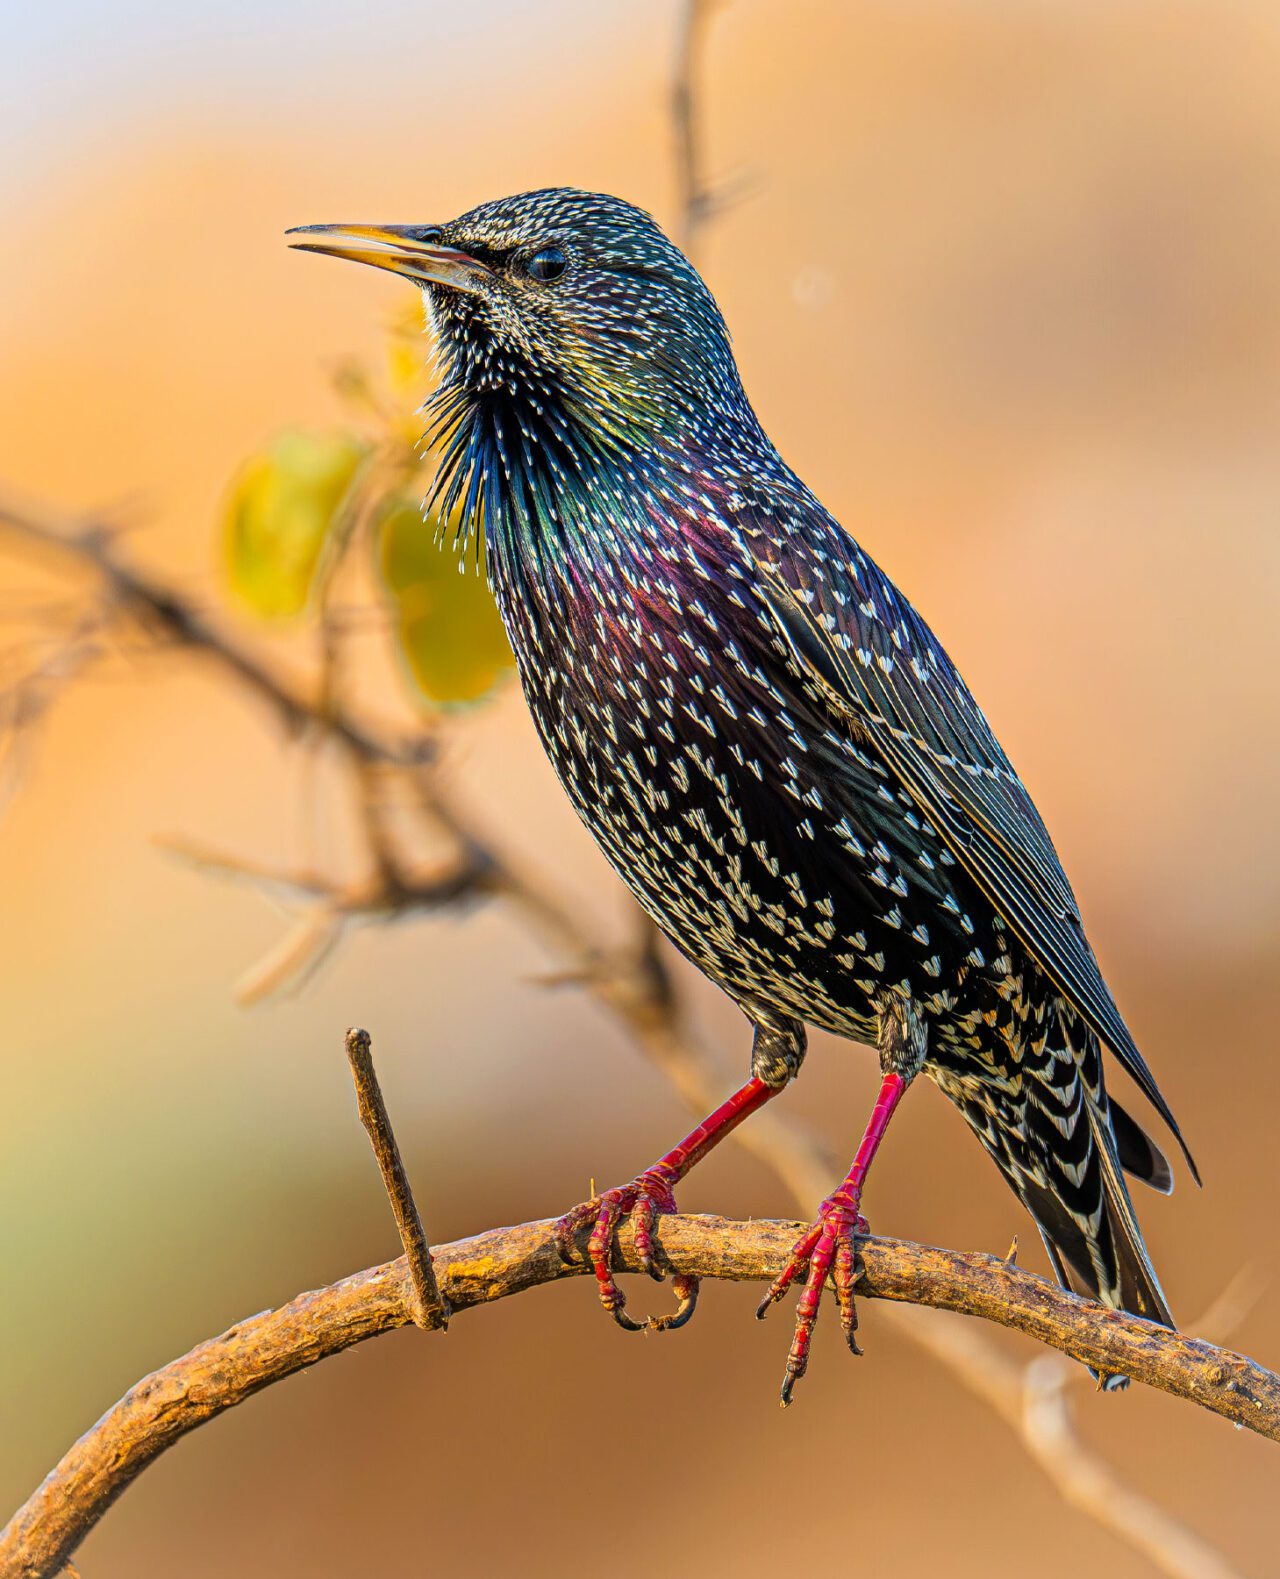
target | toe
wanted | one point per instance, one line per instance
(807, 1313)
(643, 1217)
(845, 1274)
(801, 1252)
(567, 1229)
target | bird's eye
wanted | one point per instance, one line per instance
(549, 264)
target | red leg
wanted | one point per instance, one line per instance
(830, 1246)
(649, 1196)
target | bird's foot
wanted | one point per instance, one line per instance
(649, 1196)
(828, 1248)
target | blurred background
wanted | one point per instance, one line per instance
(1004, 281)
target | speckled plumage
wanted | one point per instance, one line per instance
(770, 745)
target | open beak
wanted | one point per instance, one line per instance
(411, 250)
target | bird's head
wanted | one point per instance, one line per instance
(573, 306)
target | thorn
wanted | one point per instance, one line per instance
(1012, 1258)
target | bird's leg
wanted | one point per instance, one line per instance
(777, 1052)
(829, 1247)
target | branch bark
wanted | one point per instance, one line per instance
(224, 1371)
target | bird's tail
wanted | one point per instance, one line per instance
(1065, 1147)
(1100, 1254)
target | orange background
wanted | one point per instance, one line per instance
(1005, 287)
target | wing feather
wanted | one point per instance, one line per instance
(872, 659)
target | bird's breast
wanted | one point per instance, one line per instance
(769, 847)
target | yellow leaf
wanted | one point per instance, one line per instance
(408, 375)
(280, 508)
(450, 633)
(407, 371)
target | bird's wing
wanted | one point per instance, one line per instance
(862, 648)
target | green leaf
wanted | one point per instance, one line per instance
(280, 508)
(449, 630)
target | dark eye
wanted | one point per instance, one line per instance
(548, 264)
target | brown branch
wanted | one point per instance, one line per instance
(425, 1304)
(169, 616)
(224, 1371)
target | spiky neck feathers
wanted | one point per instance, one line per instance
(532, 444)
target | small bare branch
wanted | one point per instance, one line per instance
(290, 963)
(698, 200)
(426, 1306)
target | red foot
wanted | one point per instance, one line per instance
(644, 1200)
(828, 1248)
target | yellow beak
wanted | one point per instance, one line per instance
(413, 251)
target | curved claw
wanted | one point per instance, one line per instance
(627, 1323)
(686, 1287)
(566, 1229)
(645, 1199)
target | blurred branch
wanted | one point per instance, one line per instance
(224, 1371)
(425, 1306)
(1092, 1486)
(172, 619)
(699, 201)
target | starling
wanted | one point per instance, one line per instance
(769, 744)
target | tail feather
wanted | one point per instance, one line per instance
(1140, 1291)
(1064, 1148)
(1140, 1157)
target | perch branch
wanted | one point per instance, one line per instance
(224, 1371)
(425, 1303)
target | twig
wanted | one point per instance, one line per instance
(1233, 1306)
(226, 1370)
(329, 908)
(697, 198)
(426, 1306)
(294, 959)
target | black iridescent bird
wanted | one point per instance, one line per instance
(769, 744)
